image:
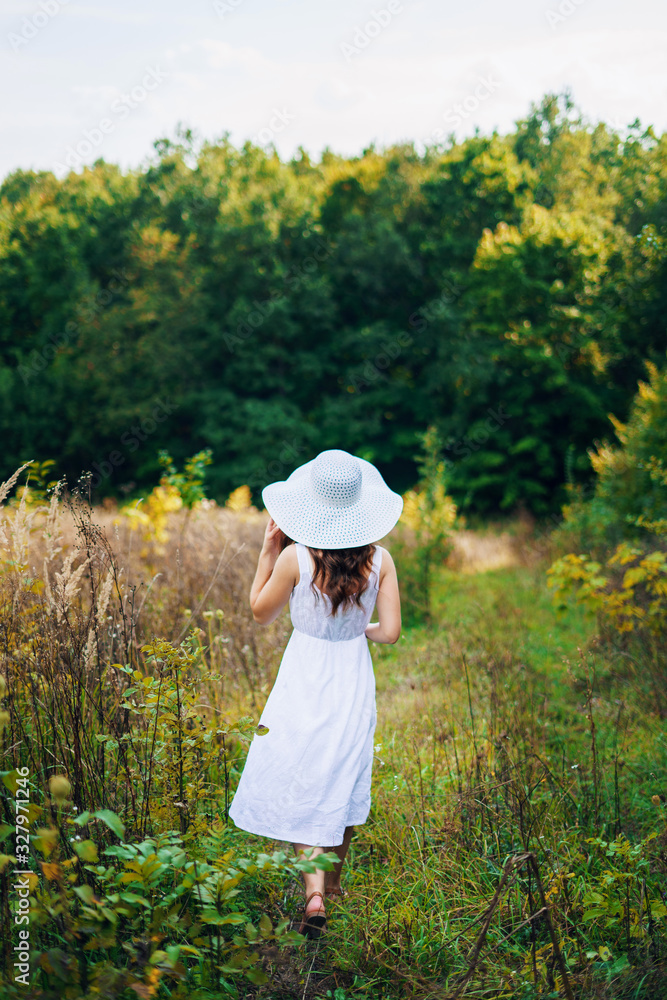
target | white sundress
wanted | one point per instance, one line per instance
(310, 776)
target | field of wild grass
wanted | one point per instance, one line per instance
(517, 844)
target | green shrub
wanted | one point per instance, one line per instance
(630, 494)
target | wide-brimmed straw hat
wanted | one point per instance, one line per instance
(336, 501)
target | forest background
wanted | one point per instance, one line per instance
(506, 290)
(481, 319)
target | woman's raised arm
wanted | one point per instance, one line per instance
(275, 577)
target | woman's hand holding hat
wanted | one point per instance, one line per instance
(274, 540)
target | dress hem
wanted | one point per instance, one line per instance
(291, 837)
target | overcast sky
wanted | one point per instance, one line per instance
(84, 80)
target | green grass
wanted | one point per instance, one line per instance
(510, 744)
(502, 611)
(486, 750)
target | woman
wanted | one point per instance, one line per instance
(308, 779)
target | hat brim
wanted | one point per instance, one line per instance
(292, 506)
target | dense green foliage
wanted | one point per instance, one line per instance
(629, 498)
(506, 290)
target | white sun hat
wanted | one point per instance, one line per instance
(336, 501)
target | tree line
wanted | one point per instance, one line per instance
(506, 290)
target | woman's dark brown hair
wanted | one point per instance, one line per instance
(340, 573)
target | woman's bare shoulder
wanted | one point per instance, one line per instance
(387, 561)
(289, 561)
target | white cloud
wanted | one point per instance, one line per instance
(20, 9)
(111, 14)
(222, 55)
(334, 94)
(232, 77)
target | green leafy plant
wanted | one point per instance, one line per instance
(137, 915)
(429, 515)
(190, 482)
(38, 484)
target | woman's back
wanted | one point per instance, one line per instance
(311, 612)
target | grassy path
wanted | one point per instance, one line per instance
(484, 751)
(496, 619)
(471, 768)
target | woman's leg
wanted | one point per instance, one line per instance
(332, 879)
(314, 881)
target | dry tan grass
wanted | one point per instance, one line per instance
(476, 552)
(198, 576)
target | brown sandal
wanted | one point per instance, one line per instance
(313, 924)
